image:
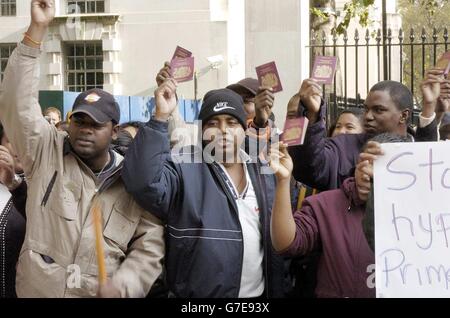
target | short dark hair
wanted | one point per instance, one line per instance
(135, 124)
(385, 138)
(399, 93)
(357, 112)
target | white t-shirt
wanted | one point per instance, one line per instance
(252, 278)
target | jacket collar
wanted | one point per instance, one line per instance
(67, 149)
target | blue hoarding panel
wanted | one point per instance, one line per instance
(124, 104)
(69, 99)
(138, 108)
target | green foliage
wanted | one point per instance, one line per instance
(360, 9)
(422, 15)
(352, 9)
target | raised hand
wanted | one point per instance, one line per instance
(163, 74)
(166, 100)
(42, 12)
(363, 178)
(281, 162)
(311, 97)
(264, 101)
(431, 90)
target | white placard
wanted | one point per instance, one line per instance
(412, 220)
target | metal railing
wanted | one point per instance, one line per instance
(361, 62)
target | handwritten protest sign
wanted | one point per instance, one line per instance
(412, 220)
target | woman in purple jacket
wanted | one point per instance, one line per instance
(331, 223)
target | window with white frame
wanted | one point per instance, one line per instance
(84, 66)
(7, 8)
(5, 53)
(85, 6)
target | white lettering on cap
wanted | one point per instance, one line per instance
(92, 98)
(222, 106)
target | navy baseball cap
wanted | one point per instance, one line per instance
(97, 104)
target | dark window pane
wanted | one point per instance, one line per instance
(80, 50)
(72, 89)
(71, 50)
(80, 79)
(90, 87)
(99, 64)
(13, 9)
(79, 64)
(90, 50)
(4, 51)
(99, 49)
(82, 6)
(71, 63)
(101, 6)
(90, 64)
(90, 78)
(71, 79)
(99, 78)
(3, 65)
(90, 7)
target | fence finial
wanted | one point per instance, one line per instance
(412, 36)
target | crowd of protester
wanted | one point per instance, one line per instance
(232, 213)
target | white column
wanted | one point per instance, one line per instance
(54, 68)
(236, 40)
(112, 67)
(304, 39)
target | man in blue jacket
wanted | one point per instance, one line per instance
(216, 210)
(324, 163)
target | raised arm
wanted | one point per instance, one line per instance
(149, 174)
(20, 112)
(291, 234)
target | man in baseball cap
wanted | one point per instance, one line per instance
(94, 119)
(247, 89)
(258, 102)
(99, 105)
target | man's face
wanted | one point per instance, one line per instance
(17, 164)
(382, 115)
(88, 138)
(224, 135)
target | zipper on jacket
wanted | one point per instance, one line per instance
(3, 224)
(233, 203)
(49, 189)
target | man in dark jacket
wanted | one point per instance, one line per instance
(216, 210)
(324, 163)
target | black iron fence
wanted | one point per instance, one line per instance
(361, 62)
